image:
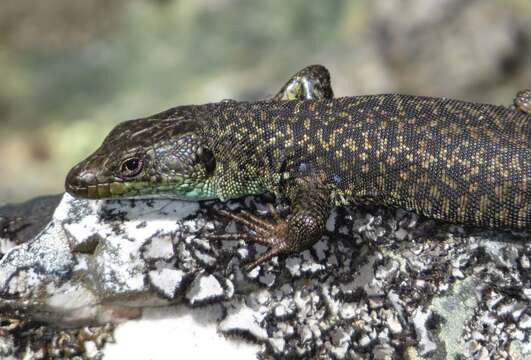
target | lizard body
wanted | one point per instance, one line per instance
(452, 160)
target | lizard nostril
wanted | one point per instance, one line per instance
(86, 179)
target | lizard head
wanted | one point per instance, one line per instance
(161, 155)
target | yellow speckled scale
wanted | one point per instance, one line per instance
(447, 159)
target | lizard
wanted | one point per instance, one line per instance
(456, 161)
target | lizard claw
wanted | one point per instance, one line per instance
(268, 255)
(271, 234)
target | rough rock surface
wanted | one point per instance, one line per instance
(21, 222)
(381, 283)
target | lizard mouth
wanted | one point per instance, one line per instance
(76, 191)
(84, 184)
(99, 191)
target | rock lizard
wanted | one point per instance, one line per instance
(457, 161)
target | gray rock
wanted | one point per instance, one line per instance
(353, 293)
(205, 288)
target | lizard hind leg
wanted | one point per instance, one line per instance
(522, 101)
(312, 82)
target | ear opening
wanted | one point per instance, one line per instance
(206, 156)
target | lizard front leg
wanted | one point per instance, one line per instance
(310, 207)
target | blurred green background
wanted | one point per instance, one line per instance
(71, 70)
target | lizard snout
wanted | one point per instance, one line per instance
(79, 182)
(85, 182)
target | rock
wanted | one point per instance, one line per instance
(168, 281)
(383, 352)
(21, 222)
(205, 288)
(86, 258)
(244, 321)
(525, 322)
(425, 338)
(110, 261)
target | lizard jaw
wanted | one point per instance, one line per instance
(84, 184)
(99, 191)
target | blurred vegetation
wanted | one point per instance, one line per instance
(71, 70)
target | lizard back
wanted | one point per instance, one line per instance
(447, 159)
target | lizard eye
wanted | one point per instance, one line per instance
(131, 167)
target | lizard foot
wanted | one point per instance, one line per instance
(272, 234)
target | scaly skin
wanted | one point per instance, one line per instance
(452, 160)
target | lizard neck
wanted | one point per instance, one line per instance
(253, 147)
